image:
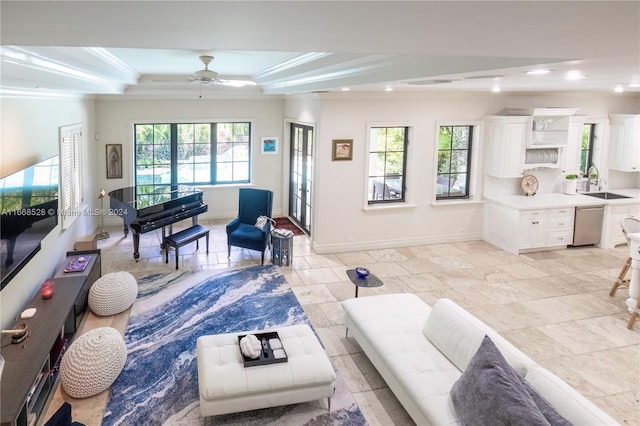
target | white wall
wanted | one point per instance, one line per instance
(341, 223)
(30, 134)
(114, 124)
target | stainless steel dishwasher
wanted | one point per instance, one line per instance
(587, 226)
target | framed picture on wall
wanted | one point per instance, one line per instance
(114, 161)
(269, 145)
(342, 149)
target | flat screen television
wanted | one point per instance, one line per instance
(29, 211)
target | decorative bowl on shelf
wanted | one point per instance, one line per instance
(362, 272)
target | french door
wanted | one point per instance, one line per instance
(301, 176)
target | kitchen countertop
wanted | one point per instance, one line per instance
(560, 200)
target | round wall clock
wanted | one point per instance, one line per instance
(529, 185)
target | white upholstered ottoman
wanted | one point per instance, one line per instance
(227, 386)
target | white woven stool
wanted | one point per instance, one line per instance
(113, 293)
(93, 362)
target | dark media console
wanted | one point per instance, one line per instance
(31, 367)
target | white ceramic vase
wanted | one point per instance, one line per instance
(570, 186)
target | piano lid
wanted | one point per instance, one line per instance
(139, 198)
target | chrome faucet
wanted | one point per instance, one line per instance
(592, 177)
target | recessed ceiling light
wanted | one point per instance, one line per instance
(574, 75)
(619, 88)
(496, 89)
(345, 89)
(538, 72)
(388, 89)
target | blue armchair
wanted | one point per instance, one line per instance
(241, 231)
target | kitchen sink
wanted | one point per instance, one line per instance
(605, 195)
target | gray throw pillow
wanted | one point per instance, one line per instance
(490, 392)
(548, 411)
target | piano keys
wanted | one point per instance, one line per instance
(147, 212)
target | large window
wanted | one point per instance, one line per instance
(171, 154)
(454, 162)
(387, 164)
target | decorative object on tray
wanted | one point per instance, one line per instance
(77, 264)
(270, 350)
(362, 272)
(529, 185)
(250, 346)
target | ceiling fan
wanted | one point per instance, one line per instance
(207, 76)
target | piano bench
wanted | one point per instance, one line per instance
(184, 237)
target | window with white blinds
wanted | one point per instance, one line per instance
(71, 173)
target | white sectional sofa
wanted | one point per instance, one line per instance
(421, 351)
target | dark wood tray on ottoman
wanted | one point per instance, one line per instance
(266, 354)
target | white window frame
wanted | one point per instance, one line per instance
(409, 178)
(474, 172)
(70, 174)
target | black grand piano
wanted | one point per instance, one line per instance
(144, 212)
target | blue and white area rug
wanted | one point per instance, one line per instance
(159, 382)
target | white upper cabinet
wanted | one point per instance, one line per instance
(624, 153)
(548, 131)
(505, 140)
(549, 126)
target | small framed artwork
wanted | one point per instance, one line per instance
(269, 145)
(114, 161)
(342, 149)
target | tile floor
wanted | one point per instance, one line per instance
(555, 306)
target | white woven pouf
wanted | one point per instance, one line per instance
(93, 362)
(113, 293)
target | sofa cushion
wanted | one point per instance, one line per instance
(490, 392)
(458, 334)
(566, 400)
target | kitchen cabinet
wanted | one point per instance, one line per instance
(500, 226)
(559, 229)
(611, 230)
(518, 231)
(532, 230)
(505, 140)
(549, 131)
(522, 142)
(624, 154)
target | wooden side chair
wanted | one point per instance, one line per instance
(630, 225)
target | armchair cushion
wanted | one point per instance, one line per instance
(248, 236)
